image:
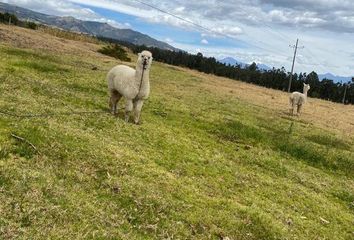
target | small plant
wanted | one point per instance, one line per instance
(115, 51)
(31, 25)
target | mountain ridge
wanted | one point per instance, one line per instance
(88, 27)
(335, 78)
(329, 76)
(233, 61)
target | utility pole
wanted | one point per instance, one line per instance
(292, 68)
(347, 85)
(345, 92)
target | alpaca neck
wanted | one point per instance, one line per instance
(141, 74)
(305, 92)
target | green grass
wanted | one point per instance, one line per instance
(201, 166)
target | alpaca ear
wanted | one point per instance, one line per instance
(304, 84)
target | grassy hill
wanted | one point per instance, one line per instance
(213, 159)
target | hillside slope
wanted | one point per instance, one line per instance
(213, 159)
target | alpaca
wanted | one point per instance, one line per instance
(132, 84)
(297, 99)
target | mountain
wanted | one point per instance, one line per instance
(263, 67)
(334, 77)
(233, 61)
(88, 27)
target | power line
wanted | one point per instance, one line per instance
(313, 57)
(286, 38)
(180, 18)
(206, 28)
(271, 30)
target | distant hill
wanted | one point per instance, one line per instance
(263, 67)
(233, 61)
(88, 27)
(334, 77)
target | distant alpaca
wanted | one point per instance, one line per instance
(297, 99)
(132, 84)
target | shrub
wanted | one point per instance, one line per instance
(31, 25)
(115, 51)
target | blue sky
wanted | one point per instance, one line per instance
(257, 30)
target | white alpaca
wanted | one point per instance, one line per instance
(297, 99)
(132, 84)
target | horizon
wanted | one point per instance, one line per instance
(229, 31)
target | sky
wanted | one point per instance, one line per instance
(261, 31)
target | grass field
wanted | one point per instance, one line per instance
(213, 158)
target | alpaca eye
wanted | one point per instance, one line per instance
(149, 57)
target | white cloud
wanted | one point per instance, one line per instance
(180, 9)
(169, 40)
(56, 7)
(204, 41)
(168, 20)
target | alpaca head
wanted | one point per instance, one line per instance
(144, 59)
(306, 87)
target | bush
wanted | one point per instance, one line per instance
(31, 25)
(115, 51)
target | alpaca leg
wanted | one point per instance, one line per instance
(299, 109)
(291, 107)
(138, 104)
(128, 109)
(115, 97)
